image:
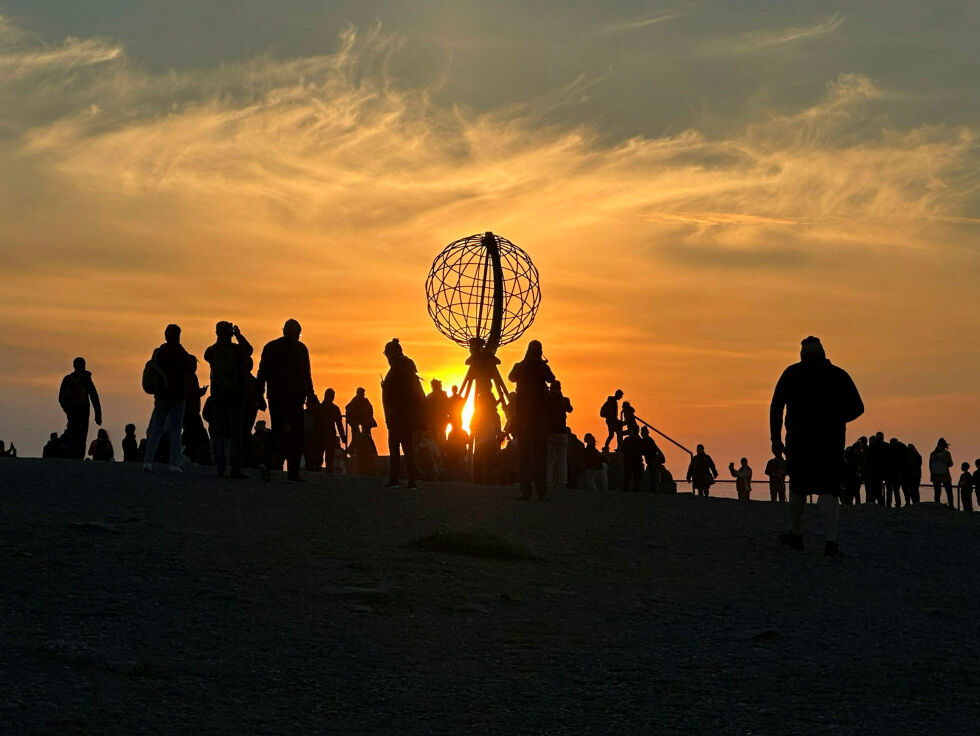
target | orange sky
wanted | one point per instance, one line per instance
(682, 265)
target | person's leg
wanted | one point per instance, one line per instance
(949, 492)
(773, 491)
(77, 434)
(295, 436)
(937, 491)
(394, 456)
(611, 426)
(830, 518)
(525, 458)
(235, 412)
(562, 470)
(154, 432)
(797, 504)
(173, 425)
(967, 497)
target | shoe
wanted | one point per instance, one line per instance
(793, 541)
(238, 475)
(175, 469)
(148, 467)
(412, 487)
(831, 549)
(295, 477)
(391, 484)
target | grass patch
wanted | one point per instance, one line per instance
(472, 544)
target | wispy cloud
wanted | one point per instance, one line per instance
(633, 25)
(758, 41)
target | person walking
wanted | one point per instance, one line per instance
(532, 377)
(284, 376)
(701, 472)
(776, 470)
(743, 479)
(172, 363)
(940, 461)
(76, 393)
(610, 413)
(403, 400)
(227, 402)
(819, 399)
(329, 430)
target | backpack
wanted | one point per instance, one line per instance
(608, 410)
(74, 390)
(226, 369)
(154, 378)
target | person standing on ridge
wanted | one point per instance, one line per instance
(438, 408)
(75, 394)
(966, 483)
(940, 461)
(776, 470)
(913, 473)
(819, 399)
(610, 413)
(403, 399)
(558, 408)
(532, 377)
(329, 429)
(654, 458)
(701, 472)
(284, 371)
(743, 479)
(227, 361)
(169, 397)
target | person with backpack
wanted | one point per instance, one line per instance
(406, 411)
(940, 461)
(165, 376)
(610, 413)
(77, 391)
(226, 405)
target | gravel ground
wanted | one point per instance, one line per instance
(155, 603)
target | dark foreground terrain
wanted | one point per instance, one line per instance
(153, 603)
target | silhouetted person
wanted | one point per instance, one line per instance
(966, 487)
(455, 454)
(195, 440)
(940, 461)
(284, 370)
(852, 475)
(437, 404)
(776, 470)
(632, 456)
(482, 365)
(52, 448)
(558, 408)
(262, 449)
(174, 363)
(7, 451)
(403, 400)
(328, 429)
(877, 468)
(976, 479)
(701, 472)
(594, 466)
(77, 391)
(629, 422)
(360, 421)
(456, 405)
(912, 478)
(312, 452)
(743, 479)
(130, 445)
(610, 413)
(653, 457)
(227, 361)
(253, 403)
(894, 472)
(486, 438)
(819, 400)
(101, 447)
(532, 376)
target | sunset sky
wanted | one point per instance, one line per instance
(701, 185)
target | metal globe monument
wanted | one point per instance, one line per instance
(483, 293)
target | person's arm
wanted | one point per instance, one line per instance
(244, 344)
(514, 373)
(852, 406)
(96, 404)
(61, 394)
(260, 375)
(731, 469)
(690, 468)
(568, 406)
(776, 407)
(339, 421)
(711, 467)
(308, 374)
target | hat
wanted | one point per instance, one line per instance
(811, 347)
(393, 348)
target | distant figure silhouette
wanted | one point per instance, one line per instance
(594, 467)
(819, 400)
(262, 447)
(7, 452)
(610, 413)
(360, 420)
(877, 468)
(228, 370)
(487, 435)
(455, 455)
(629, 422)
(940, 461)
(101, 447)
(701, 472)
(966, 487)
(171, 363)
(482, 366)
(632, 452)
(776, 470)
(912, 478)
(654, 458)
(52, 448)
(284, 370)
(532, 377)
(404, 404)
(558, 408)
(328, 430)
(253, 404)
(77, 391)
(130, 445)
(743, 479)
(894, 472)
(854, 460)
(437, 403)
(195, 440)
(456, 406)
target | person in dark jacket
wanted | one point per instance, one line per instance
(328, 431)
(966, 483)
(819, 399)
(632, 452)
(360, 422)
(168, 403)
(130, 445)
(609, 412)
(403, 400)
(701, 472)
(894, 472)
(226, 407)
(532, 377)
(284, 370)
(75, 394)
(101, 448)
(940, 462)
(912, 478)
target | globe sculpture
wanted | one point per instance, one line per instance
(483, 293)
